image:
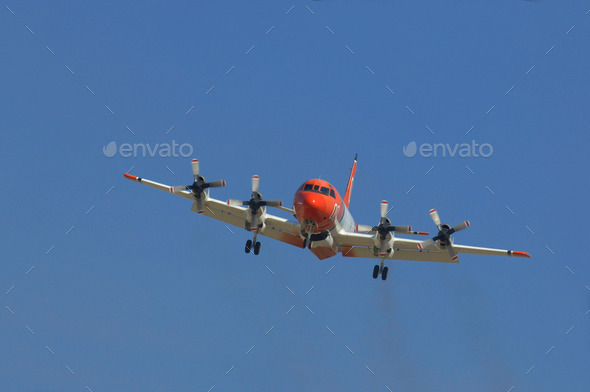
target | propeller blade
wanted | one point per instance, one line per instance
(461, 226)
(366, 229)
(235, 203)
(255, 183)
(384, 208)
(435, 218)
(273, 203)
(195, 164)
(425, 244)
(452, 252)
(216, 184)
(178, 188)
(200, 206)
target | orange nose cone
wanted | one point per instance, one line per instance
(312, 206)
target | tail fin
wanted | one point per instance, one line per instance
(350, 182)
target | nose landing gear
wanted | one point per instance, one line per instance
(307, 242)
(380, 269)
(309, 227)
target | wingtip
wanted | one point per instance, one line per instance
(130, 177)
(521, 254)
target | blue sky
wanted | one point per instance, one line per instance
(114, 286)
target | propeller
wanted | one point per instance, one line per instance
(384, 227)
(444, 235)
(198, 186)
(255, 202)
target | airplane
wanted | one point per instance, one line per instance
(324, 224)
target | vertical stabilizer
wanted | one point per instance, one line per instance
(350, 182)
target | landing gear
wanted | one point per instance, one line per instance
(256, 247)
(248, 247)
(307, 242)
(249, 243)
(380, 269)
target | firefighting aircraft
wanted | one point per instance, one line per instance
(324, 225)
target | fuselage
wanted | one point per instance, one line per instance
(320, 208)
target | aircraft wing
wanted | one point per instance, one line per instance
(276, 227)
(399, 254)
(361, 245)
(157, 185)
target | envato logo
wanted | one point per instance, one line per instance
(463, 150)
(163, 150)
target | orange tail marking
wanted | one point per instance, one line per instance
(350, 182)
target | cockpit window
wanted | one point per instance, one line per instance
(301, 187)
(318, 189)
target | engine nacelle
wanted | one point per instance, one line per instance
(255, 221)
(383, 247)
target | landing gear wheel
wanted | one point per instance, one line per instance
(375, 272)
(305, 242)
(309, 244)
(384, 273)
(257, 248)
(248, 246)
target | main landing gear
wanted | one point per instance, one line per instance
(248, 247)
(380, 270)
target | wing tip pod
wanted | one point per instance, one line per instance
(515, 253)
